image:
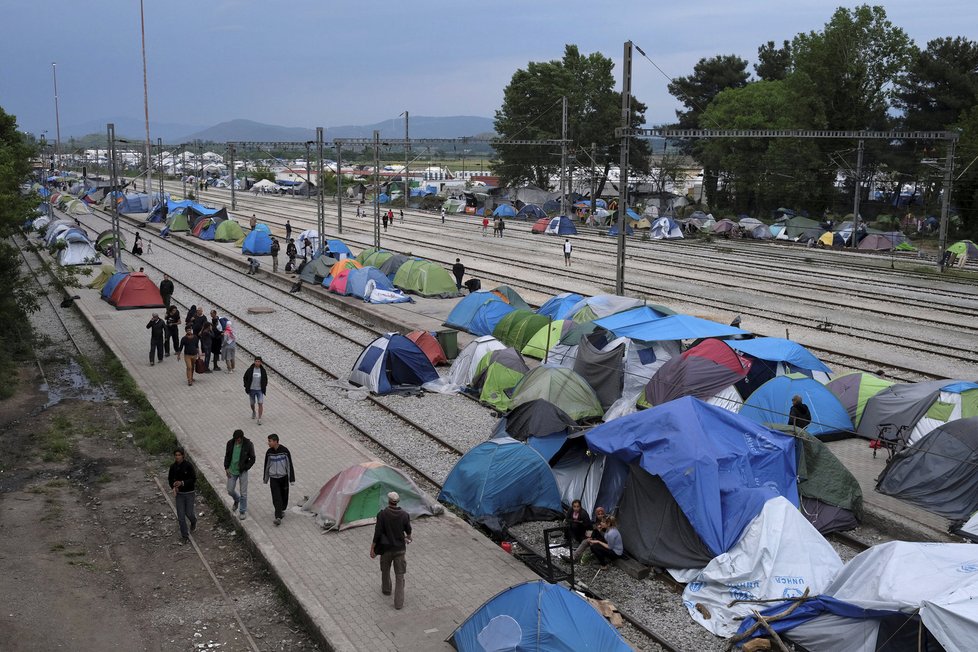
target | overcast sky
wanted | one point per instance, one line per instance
(333, 62)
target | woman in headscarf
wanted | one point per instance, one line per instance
(229, 347)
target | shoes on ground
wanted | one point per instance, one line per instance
(259, 422)
(386, 592)
(193, 526)
(242, 516)
(151, 363)
(189, 383)
(278, 521)
(234, 506)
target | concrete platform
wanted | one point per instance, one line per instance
(452, 569)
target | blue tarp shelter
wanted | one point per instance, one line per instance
(463, 312)
(719, 466)
(504, 210)
(257, 243)
(771, 402)
(383, 198)
(557, 307)
(535, 617)
(134, 203)
(561, 225)
(648, 325)
(390, 362)
(500, 483)
(632, 215)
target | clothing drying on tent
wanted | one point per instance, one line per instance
(561, 225)
(536, 616)
(134, 290)
(771, 403)
(517, 327)
(937, 473)
(703, 371)
(257, 243)
(718, 466)
(390, 363)
(895, 596)
(557, 307)
(511, 296)
(500, 483)
(353, 496)
(427, 343)
(497, 373)
(855, 389)
(561, 386)
(426, 279)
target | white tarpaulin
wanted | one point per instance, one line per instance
(779, 555)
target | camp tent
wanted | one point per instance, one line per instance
(965, 248)
(373, 257)
(487, 316)
(425, 278)
(546, 337)
(257, 243)
(937, 473)
(540, 226)
(392, 362)
(500, 483)
(338, 268)
(702, 371)
(535, 616)
(504, 210)
(353, 496)
(912, 410)
(106, 271)
(78, 250)
(135, 290)
(665, 228)
(855, 389)
(517, 327)
(561, 225)
(511, 296)
(557, 306)
(875, 242)
(466, 364)
(771, 402)
(776, 356)
(602, 368)
(371, 285)
(531, 212)
(649, 325)
(603, 305)
(338, 249)
(561, 386)
(317, 269)
(464, 311)
(427, 343)
(725, 227)
(497, 373)
(311, 236)
(228, 231)
(393, 264)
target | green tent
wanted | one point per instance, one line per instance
(374, 258)
(104, 274)
(964, 248)
(453, 206)
(497, 373)
(821, 476)
(512, 297)
(516, 328)
(561, 331)
(317, 269)
(425, 278)
(362, 256)
(562, 387)
(228, 231)
(177, 222)
(106, 239)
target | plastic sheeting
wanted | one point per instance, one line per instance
(781, 350)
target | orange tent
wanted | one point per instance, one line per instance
(427, 343)
(347, 263)
(136, 291)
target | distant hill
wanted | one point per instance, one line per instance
(420, 127)
(130, 129)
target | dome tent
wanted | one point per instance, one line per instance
(392, 362)
(135, 290)
(771, 402)
(467, 362)
(517, 327)
(427, 343)
(561, 386)
(426, 279)
(497, 374)
(257, 243)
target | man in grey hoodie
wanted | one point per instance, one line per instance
(279, 474)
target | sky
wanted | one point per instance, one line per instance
(308, 63)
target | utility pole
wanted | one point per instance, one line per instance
(320, 194)
(57, 117)
(594, 189)
(148, 181)
(308, 171)
(626, 115)
(159, 154)
(858, 194)
(200, 168)
(563, 157)
(377, 189)
(183, 170)
(945, 203)
(234, 203)
(407, 153)
(117, 247)
(339, 187)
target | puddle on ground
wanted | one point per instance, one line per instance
(69, 382)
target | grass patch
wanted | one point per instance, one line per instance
(103, 478)
(149, 431)
(89, 370)
(75, 553)
(57, 482)
(56, 442)
(87, 565)
(58, 547)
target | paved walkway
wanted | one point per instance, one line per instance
(452, 569)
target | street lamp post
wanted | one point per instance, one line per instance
(117, 247)
(308, 171)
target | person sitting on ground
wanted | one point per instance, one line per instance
(609, 547)
(253, 266)
(578, 522)
(599, 518)
(799, 416)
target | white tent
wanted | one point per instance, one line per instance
(312, 235)
(266, 185)
(463, 368)
(78, 251)
(665, 228)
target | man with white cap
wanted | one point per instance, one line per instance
(392, 533)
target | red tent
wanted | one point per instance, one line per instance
(136, 291)
(427, 343)
(540, 225)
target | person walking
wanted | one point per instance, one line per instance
(239, 457)
(182, 479)
(166, 290)
(276, 247)
(502, 226)
(217, 334)
(172, 318)
(442, 215)
(229, 347)
(157, 335)
(253, 222)
(485, 226)
(190, 346)
(568, 248)
(390, 216)
(384, 220)
(799, 416)
(137, 245)
(292, 252)
(206, 336)
(288, 230)
(279, 474)
(256, 384)
(392, 533)
(401, 211)
(458, 271)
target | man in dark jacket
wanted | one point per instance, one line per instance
(172, 319)
(239, 456)
(183, 480)
(190, 345)
(279, 474)
(799, 416)
(157, 331)
(217, 337)
(392, 533)
(276, 247)
(166, 290)
(255, 385)
(198, 320)
(458, 270)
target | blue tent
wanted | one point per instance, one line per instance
(551, 205)
(361, 282)
(487, 316)
(337, 247)
(771, 402)
(531, 212)
(390, 362)
(648, 325)
(461, 315)
(263, 228)
(557, 307)
(632, 214)
(209, 232)
(614, 230)
(500, 483)
(719, 466)
(534, 617)
(778, 349)
(504, 210)
(111, 284)
(561, 225)
(257, 243)
(134, 203)
(383, 198)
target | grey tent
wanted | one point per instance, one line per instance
(704, 370)
(537, 419)
(938, 472)
(317, 269)
(654, 529)
(390, 266)
(901, 406)
(604, 371)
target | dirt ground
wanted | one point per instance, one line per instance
(89, 548)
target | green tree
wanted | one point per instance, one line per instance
(262, 172)
(531, 110)
(941, 84)
(773, 63)
(965, 194)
